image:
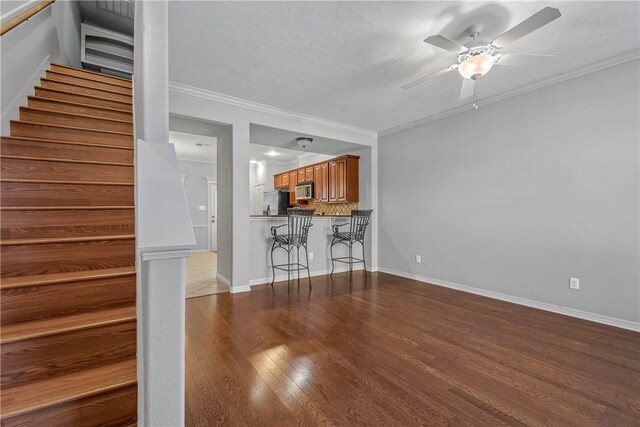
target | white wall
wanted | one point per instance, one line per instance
(53, 34)
(522, 194)
(196, 189)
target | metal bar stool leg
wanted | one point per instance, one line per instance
(288, 268)
(364, 258)
(273, 267)
(298, 263)
(332, 261)
(306, 251)
(350, 261)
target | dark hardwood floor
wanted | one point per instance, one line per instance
(391, 351)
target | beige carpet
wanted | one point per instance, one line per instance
(201, 275)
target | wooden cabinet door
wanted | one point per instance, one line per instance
(284, 181)
(341, 184)
(277, 181)
(317, 183)
(324, 174)
(333, 180)
(301, 175)
(293, 181)
(308, 174)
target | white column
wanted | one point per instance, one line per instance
(241, 194)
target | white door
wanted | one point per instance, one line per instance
(213, 216)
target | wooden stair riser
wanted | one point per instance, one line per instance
(34, 224)
(42, 194)
(86, 110)
(48, 356)
(80, 81)
(48, 84)
(91, 75)
(66, 299)
(110, 409)
(52, 150)
(80, 99)
(28, 260)
(34, 130)
(64, 119)
(64, 171)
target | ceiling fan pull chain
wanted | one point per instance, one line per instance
(475, 92)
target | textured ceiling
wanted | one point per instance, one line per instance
(346, 61)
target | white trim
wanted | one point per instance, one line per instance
(183, 176)
(223, 279)
(17, 11)
(283, 277)
(593, 317)
(169, 254)
(200, 225)
(239, 289)
(596, 66)
(210, 180)
(256, 106)
(186, 159)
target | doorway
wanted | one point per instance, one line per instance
(212, 209)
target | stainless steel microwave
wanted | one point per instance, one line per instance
(304, 191)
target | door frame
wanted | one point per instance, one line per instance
(211, 182)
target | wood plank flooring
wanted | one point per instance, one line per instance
(395, 352)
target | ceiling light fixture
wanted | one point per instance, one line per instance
(272, 153)
(304, 141)
(476, 66)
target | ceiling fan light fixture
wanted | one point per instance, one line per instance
(476, 66)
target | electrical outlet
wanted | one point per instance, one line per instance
(574, 283)
(202, 208)
(310, 255)
(418, 259)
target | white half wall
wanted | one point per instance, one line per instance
(517, 197)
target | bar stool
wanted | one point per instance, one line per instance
(358, 227)
(298, 224)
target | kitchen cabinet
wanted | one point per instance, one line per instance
(343, 179)
(321, 182)
(293, 181)
(335, 181)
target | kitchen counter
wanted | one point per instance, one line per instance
(284, 216)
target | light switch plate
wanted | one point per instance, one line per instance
(202, 208)
(574, 283)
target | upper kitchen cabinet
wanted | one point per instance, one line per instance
(277, 181)
(321, 182)
(301, 175)
(308, 173)
(293, 181)
(343, 179)
(285, 180)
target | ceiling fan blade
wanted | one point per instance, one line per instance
(444, 43)
(521, 59)
(428, 76)
(527, 26)
(467, 88)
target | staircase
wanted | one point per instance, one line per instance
(68, 288)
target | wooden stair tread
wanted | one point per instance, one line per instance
(53, 391)
(59, 101)
(125, 82)
(52, 208)
(58, 325)
(48, 181)
(45, 79)
(49, 240)
(86, 81)
(121, 105)
(72, 276)
(55, 141)
(70, 127)
(64, 113)
(61, 160)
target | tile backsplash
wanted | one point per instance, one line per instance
(332, 208)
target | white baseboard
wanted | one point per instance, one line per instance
(199, 251)
(223, 279)
(238, 289)
(598, 318)
(282, 277)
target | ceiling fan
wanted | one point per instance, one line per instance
(476, 61)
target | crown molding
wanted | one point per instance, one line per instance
(596, 66)
(264, 108)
